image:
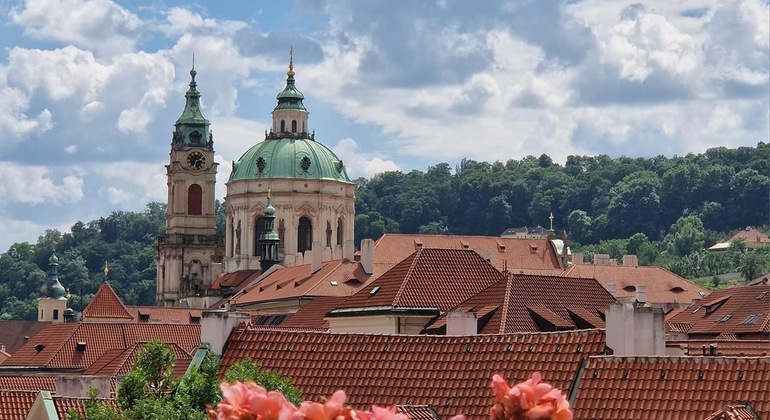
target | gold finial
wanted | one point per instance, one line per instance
(106, 270)
(551, 219)
(290, 73)
(269, 193)
(68, 295)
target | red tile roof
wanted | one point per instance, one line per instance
(729, 348)
(118, 362)
(28, 383)
(13, 334)
(15, 405)
(106, 304)
(235, 280)
(511, 253)
(450, 373)
(751, 236)
(311, 316)
(428, 278)
(334, 278)
(641, 388)
(165, 315)
(519, 300)
(734, 412)
(58, 342)
(64, 404)
(739, 310)
(663, 286)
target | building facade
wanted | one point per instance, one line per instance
(190, 252)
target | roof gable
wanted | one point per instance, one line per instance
(106, 304)
(534, 303)
(428, 278)
(449, 373)
(739, 310)
(663, 286)
(78, 346)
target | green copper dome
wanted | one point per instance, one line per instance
(52, 289)
(192, 127)
(294, 158)
(290, 98)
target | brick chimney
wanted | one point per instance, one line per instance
(635, 329)
(367, 255)
(461, 323)
(216, 326)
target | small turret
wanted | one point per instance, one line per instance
(269, 240)
(53, 296)
(192, 127)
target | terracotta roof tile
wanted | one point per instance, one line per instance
(334, 278)
(738, 310)
(663, 287)
(429, 278)
(734, 412)
(106, 304)
(15, 405)
(119, 362)
(312, 315)
(58, 343)
(510, 253)
(165, 315)
(13, 334)
(449, 373)
(64, 404)
(751, 236)
(28, 383)
(533, 303)
(640, 388)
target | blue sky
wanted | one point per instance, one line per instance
(90, 89)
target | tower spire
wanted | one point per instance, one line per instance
(192, 127)
(290, 73)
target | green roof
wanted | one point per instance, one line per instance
(192, 127)
(293, 158)
(290, 97)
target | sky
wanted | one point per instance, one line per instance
(90, 89)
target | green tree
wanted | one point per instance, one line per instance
(246, 370)
(685, 236)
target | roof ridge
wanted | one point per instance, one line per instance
(690, 358)
(107, 296)
(506, 302)
(415, 258)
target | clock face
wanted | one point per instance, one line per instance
(196, 160)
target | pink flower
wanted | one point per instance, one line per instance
(381, 413)
(331, 409)
(531, 399)
(249, 401)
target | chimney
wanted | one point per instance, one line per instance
(316, 257)
(630, 261)
(601, 259)
(367, 255)
(577, 258)
(349, 250)
(216, 326)
(612, 288)
(641, 293)
(635, 330)
(461, 323)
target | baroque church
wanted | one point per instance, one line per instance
(288, 198)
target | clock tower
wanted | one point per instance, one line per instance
(190, 252)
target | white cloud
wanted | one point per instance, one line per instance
(33, 185)
(16, 231)
(117, 195)
(140, 181)
(98, 24)
(72, 148)
(361, 164)
(180, 21)
(13, 118)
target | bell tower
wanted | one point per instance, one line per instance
(190, 252)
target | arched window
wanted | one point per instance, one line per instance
(281, 231)
(304, 235)
(328, 234)
(232, 237)
(55, 314)
(194, 198)
(259, 225)
(303, 127)
(293, 126)
(283, 126)
(340, 229)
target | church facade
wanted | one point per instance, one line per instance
(190, 252)
(313, 197)
(297, 182)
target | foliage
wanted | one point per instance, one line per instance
(248, 371)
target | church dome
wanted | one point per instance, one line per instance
(294, 158)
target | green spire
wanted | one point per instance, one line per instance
(268, 241)
(290, 97)
(52, 289)
(192, 128)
